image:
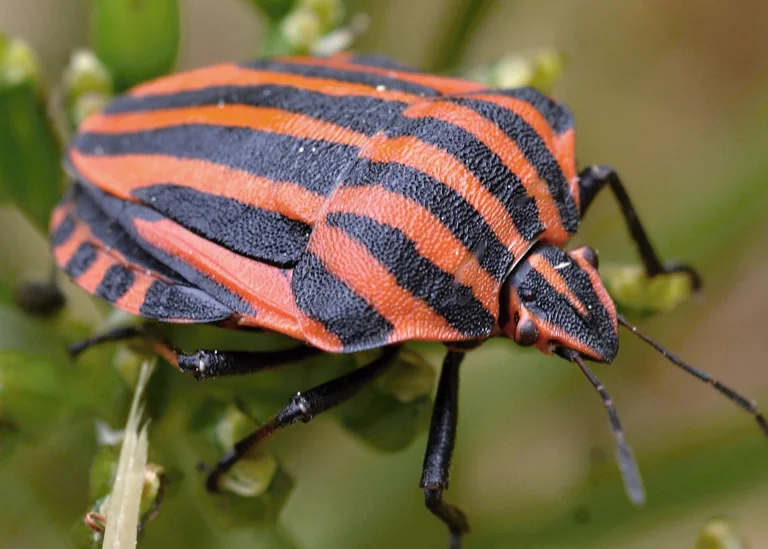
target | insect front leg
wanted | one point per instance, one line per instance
(304, 407)
(442, 437)
(594, 178)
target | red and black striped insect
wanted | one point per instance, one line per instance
(350, 203)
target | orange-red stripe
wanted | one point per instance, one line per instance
(90, 279)
(597, 286)
(565, 153)
(557, 281)
(443, 167)
(433, 240)
(59, 214)
(351, 262)
(233, 75)
(536, 120)
(241, 116)
(262, 286)
(132, 300)
(120, 175)
(506, 149)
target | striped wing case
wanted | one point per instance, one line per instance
(346, 202)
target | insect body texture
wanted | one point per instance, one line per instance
(340, 202)
(349, 203)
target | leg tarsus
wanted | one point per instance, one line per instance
(452, 516)
(591, 180)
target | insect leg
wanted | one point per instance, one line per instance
(204, 364)
(209, 364)
(304, 407)
(437, 461)
(117, 334)
(594, 178)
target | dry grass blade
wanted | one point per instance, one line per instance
(123, 516)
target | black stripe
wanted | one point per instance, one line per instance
(313, 164)
(446, 296)
(112, 235)
(357, 113)
(330, 301)
(117, 280)
(482, 162)
(557, 114)
(458, 215)
(125, 213)
(81, 261)
(253, 232)
(379, 62)
(577, 279)
(164, 302)
(390, 81)
(535, 151)
(63, 231)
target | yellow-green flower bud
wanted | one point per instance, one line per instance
(718, 534)
(330, 12)
(631, 289)
(18, 64)
(301, 29)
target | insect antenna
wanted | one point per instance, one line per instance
(630, 472)
(732, 395)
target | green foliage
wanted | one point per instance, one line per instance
(137, 39)
(30, 168)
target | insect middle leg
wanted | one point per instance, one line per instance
(591, 181)
(437, 461)
(304, 407)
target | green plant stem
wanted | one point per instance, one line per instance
(461, 21)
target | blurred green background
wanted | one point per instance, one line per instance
(672, 94)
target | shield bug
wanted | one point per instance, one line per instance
(349, 203)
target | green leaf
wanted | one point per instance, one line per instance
(137, 39)
(33, 381)
(30, 165)
(274, 9)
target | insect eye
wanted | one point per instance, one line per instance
(590, 256)
(527, 333)
(527, 294)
